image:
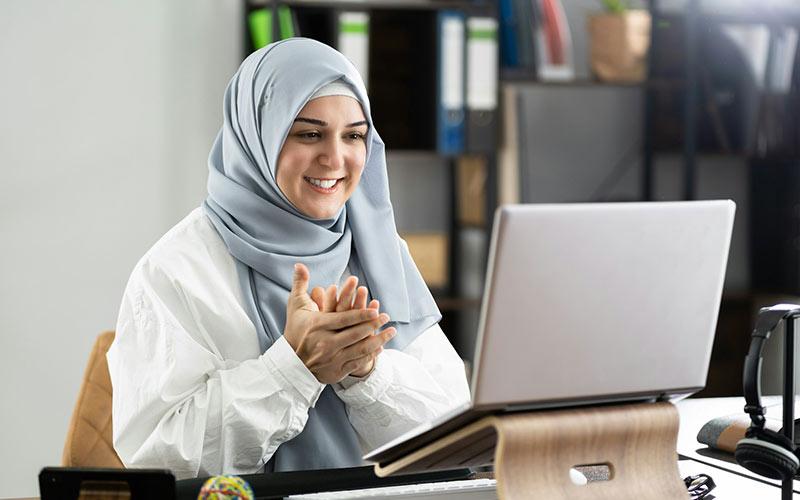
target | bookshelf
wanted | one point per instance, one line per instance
(681, 116)
(404, 79)
(691, 77)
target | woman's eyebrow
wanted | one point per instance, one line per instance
(321, 123)
(312, 121)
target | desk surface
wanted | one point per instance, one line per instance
(694, 414)
(731, 486)
(733, 481)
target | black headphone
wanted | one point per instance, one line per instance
(764, 451)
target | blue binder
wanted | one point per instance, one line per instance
(450, 82)
(508, 34)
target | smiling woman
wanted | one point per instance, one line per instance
(244, 342)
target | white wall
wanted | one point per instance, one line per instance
(107, 113)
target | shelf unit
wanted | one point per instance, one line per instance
(403, 128)
(696, 21)
(736, 310)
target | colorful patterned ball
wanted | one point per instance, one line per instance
(226, 488)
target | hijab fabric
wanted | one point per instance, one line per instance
(267, 235)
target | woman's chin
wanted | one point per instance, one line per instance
(321, 213)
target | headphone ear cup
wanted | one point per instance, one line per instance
(773, 437)
(766, 458)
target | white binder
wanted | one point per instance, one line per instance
(353, 41)
(450, 111)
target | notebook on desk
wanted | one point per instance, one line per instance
(591, 304)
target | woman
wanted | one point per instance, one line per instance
(223, 359)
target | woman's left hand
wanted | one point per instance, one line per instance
(351, 296)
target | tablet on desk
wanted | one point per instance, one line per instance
(63, 483)
(590, 304)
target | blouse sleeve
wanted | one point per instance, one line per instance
(406, 388)
(178, 404)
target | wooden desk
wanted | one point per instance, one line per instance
(733, 481)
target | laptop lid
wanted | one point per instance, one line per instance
(600, 302)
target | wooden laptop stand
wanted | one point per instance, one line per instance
(533, 452)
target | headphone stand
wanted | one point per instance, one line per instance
(762, 451)
(533, 451)
(787, 485)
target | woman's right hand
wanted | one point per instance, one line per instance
(332, 344)
(351, 296)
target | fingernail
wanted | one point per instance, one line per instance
(372, 313)
(296, 266)
(384, 317)
(392, 334)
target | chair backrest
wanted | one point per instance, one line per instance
(89, 439)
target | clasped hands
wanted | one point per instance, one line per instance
(334, 336)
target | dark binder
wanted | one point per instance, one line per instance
(482, 95)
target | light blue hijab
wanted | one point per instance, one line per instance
(267, 235)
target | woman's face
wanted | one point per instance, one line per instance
(323, 156)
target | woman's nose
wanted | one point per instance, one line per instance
(333, 155)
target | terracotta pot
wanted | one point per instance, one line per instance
(619, 44)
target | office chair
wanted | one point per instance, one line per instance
(89, 439)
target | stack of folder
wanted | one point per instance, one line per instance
(535, 39)
(352, 33)
(468, 64)
(410, 46)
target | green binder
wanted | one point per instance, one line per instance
(260, 22)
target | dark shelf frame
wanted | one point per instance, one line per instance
(513, 75)
(462, 5)
(774, 17)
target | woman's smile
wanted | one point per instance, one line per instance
(323, 185)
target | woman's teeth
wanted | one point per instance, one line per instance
(323, 183)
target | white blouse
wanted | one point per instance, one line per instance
(193, 393)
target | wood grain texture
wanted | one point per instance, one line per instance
(534, 451)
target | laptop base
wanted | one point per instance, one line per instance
(533, 452)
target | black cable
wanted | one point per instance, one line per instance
(699, 486)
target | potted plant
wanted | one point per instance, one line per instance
(619, 39)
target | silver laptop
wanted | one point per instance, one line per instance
(591, 304)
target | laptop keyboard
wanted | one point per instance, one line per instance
(471, 489)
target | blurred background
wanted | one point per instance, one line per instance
(108, 110)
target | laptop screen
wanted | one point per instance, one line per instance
(600, 302)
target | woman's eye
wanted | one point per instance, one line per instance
(355, 136)
(308, 135)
